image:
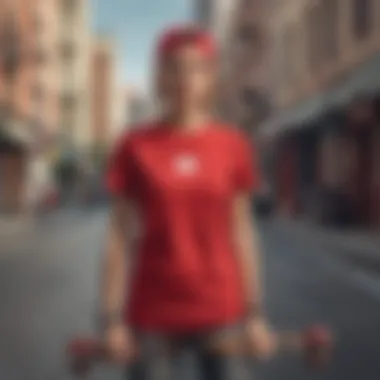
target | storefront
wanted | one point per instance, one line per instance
(22, 147)
(286, 174)
(328, 153)
(363, 125)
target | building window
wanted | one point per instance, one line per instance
(330, 30)
(250, 40)
(361, 13)
(249, 34)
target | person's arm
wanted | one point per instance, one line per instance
(115, 271)
(120, 182)
(120, 178)
(261, 339)
(248, 250)
(246, 179)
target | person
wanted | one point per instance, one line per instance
(194, 272)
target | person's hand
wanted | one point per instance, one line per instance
(261, 339)
(120, 344)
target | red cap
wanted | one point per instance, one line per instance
(177, 37)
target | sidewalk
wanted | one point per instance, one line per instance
(20, 234)
(14, 225)
(13, 228)
(14, 234)
(359, 247)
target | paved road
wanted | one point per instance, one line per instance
(48, 283)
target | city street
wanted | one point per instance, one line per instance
(48, 288)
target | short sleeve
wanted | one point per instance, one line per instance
(119, 171)
(246, 170)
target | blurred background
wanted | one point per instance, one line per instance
(63, 103)
(301, 77)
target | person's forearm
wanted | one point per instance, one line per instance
(253, 265)
(248, 246)
(115, 274)
(113, 292)
(250, 264)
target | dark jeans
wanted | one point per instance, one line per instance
(160, 358)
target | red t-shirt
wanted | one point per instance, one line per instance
(187, 275)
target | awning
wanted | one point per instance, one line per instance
(364, 80)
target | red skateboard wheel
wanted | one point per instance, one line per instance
(318, 342)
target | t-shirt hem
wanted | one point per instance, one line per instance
(177, 325)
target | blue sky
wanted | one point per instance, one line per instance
(135, 23)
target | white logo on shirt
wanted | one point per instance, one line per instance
(186, 164)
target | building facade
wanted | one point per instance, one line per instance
(73, 162)
(315, 45)
(246, 80)
(241, 29)
(45, 105)
(103, 92)
(217, 16)
(75, 51)
(28, 97)
(46, 86)
(47, 96)
(325, 88)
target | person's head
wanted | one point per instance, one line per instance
(186, 69)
